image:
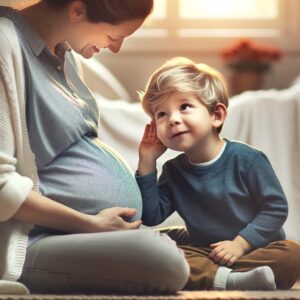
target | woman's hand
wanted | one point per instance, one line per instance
(111, 219)
(150, 149)
(40, 210)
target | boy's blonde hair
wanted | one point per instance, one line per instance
(180, 74)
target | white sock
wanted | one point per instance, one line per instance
(221, 278)
(260, 278)
(12, 288)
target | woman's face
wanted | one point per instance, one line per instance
(88, 38)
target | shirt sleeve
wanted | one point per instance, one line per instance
(266, 190)
(14, 188)
(157, 205)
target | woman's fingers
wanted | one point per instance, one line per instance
(133, 225)
(126, 211)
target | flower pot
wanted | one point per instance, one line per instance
(245, 80)
(247, 75)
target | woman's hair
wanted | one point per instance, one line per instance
(180, 74)
(111, 11)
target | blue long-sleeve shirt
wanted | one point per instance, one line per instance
(239, 194)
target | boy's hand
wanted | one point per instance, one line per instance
(228, 252)
(150, 150)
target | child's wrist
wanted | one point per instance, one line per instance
(243, 243)
(146, 167)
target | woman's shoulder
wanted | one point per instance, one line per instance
(8, 36)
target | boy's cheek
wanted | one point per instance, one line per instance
(160, 134)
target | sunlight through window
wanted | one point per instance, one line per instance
(160, 9)
(228, 9)
(208, 24)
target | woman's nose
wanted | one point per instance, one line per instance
(116, 46)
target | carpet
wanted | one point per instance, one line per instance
(292, 294)
(184, 295)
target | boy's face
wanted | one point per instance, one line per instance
(184, 123)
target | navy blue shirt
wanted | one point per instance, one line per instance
(239, 194)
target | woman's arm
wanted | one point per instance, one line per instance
(40, 210)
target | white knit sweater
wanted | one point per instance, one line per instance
(17, 165)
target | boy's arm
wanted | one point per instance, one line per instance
(150, 150)
(266, 190)
(156, 199)
(157, 203)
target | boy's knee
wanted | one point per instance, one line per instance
(288, 264)
(293, 249)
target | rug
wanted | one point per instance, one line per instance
(185, 295)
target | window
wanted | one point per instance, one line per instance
(230, 9)
(204, 25)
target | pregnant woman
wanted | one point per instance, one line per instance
(69, 205)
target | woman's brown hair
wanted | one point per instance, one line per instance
(111, 11)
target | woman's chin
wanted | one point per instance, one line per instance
(89, 52)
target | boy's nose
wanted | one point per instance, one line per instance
(174, 119)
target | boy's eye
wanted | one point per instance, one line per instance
(160, 114)
(185, 106)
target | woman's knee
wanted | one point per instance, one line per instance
(172, 270)
(133, 261)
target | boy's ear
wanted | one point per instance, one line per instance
(219, 115)
(77, 11)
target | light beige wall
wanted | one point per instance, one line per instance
(133, 69)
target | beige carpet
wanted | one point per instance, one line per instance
(293, 294)
(186, 295)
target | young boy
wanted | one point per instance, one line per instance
(226, 191)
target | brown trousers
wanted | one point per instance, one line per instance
(283, 257)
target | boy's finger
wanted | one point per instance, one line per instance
(146, 131)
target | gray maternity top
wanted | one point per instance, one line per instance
(74, 167)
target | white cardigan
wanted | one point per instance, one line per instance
(18, 173)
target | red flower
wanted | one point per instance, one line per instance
(247, 51)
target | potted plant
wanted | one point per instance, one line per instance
(249, 61)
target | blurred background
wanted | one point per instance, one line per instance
(201, 30)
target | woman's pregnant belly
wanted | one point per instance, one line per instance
(89, 177)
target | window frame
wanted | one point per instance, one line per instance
(165, 35)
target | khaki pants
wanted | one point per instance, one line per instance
(283, 257)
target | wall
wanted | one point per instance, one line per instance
(133, 69)
(140, 57)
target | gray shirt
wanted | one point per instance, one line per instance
(74, 167)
